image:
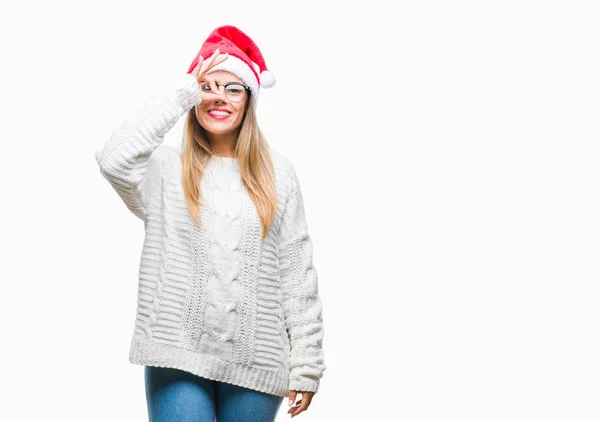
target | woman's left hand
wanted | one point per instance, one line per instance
(302, 404)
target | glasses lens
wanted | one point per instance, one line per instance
(235, 92)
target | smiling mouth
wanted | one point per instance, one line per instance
(217, 114)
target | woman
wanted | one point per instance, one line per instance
(229, 320)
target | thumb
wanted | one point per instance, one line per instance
(292, 397)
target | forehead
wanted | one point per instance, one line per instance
(223, 76)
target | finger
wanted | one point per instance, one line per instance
(207, 63)
(292, 397)
(299, 409)
(204, 79)
(292, 404)
(295, 406)
(302, 404)
(213, 85)
(307, 397)
(215, 88)
(220, 59)
(196, 70)
(198, 66)
(214, 56)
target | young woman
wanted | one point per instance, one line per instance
(229, 319)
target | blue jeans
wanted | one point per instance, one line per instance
(175, 395)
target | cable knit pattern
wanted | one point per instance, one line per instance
(217, 301)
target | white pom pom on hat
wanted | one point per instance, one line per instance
(245, 58)
(267, 79)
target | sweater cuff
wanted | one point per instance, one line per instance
(185, 91)
(304, 384)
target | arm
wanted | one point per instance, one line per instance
(127, 161)
(301, 303)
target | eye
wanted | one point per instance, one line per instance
(235, 88)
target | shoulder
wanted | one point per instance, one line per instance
(279, 160)
(283, 165)
(285, 172)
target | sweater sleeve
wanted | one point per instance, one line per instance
(301, 302)
(127, 158)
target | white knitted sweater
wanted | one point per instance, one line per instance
(219, 301)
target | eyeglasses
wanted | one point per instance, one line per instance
(234, 91)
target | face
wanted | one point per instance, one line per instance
(221, 123)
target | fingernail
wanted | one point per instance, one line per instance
(290, 402)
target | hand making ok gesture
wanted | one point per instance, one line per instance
(204, 66)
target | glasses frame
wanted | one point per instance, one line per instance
(246, 88)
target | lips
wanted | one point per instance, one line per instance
(222, 110)
(219, 113)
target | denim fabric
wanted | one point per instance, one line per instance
(173, 395)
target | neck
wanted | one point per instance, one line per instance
(223, 144)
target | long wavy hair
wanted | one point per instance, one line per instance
(255, 165)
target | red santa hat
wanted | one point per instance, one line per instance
(245, 59)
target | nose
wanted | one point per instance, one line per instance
(221, 90)
(221, 94)
(216, 99)
(211, 92)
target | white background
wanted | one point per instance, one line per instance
(448, 153)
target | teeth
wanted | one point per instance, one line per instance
(219, 113)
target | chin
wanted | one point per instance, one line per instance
(217, 129)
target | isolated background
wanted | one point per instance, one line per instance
(448, 153)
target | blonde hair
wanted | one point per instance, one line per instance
(254, 162)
